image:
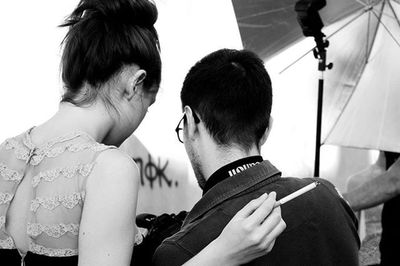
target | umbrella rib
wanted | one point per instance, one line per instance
(394, 12)
(250, 25)
(367, 43)
(368, 51)
(388, 15)
(359, 15)
(309, 51)
(263, 13)
(391, 35)
(362, 2)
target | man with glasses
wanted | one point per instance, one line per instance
(227, 100)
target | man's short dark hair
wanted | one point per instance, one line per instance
(231, 92)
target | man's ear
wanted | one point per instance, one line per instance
(135, 83)
(267, 131)
(191, 126)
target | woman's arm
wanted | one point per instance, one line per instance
(250, 234)
(106, 235)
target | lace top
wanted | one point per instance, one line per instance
(57, 173)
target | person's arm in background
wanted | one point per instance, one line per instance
(375, 187)
(250, 234)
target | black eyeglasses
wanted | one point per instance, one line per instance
(179, 127)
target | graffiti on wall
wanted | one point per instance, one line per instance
(153, 173)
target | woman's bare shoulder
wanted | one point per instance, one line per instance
(114, 166)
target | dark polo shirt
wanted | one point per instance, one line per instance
(321, 227)
(389, 245)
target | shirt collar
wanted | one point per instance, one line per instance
(231, 169)
(230, 187)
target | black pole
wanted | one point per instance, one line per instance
(311, 25)
(320, 54)
(319, 124)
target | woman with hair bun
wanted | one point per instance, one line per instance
(65, 187)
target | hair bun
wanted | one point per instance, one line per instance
(141, 13)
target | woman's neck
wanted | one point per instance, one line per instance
(95, 120)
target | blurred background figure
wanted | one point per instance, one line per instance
(378, 184)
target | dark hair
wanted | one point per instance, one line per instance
(103, 37)
(231, 91)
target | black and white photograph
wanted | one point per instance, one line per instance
(200, 132)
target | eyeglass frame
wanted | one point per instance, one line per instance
(178, 128)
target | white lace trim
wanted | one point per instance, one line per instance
(9, 174)
(28, 142)
(5, 198)
(71, 147)
(53, 230)
(21, 152)
(2, 221)
(50, 203)
(7, 243)
(68, 172)
(52, 252)
(34, 155)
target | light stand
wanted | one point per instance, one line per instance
(320, 54)
(311, 24)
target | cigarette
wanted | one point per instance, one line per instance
(296, 194)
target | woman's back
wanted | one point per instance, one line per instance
(42, 191)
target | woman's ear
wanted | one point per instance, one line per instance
(267, 131)
(191, 125)
(134, 83)
(139, 76)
